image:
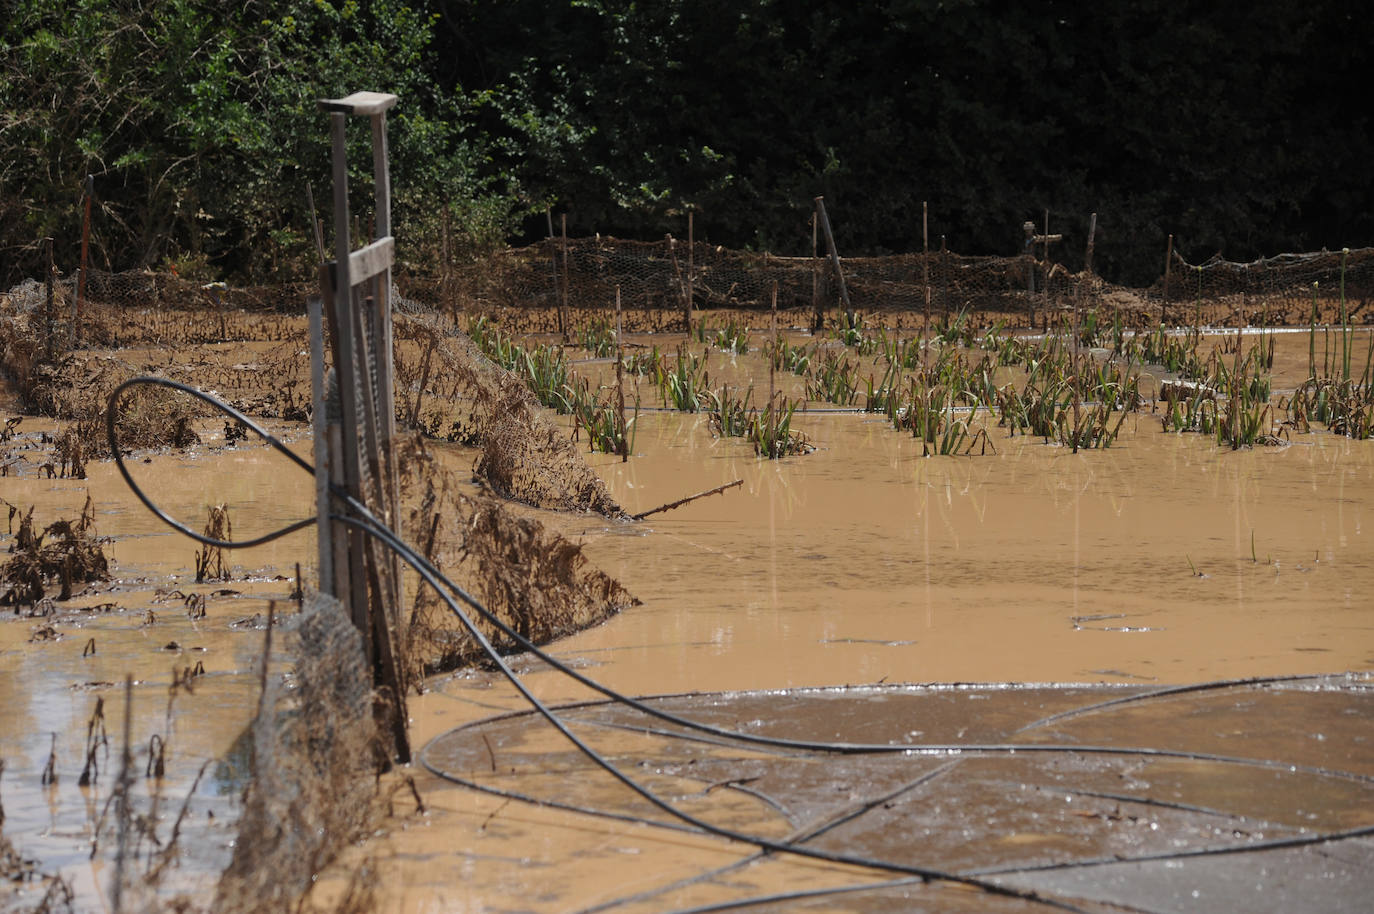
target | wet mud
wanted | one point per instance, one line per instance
(1129, 570)
(804, 603)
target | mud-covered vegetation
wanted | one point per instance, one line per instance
(65, 551)
(535, 580)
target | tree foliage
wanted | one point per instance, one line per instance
(1233, 130)
(200, 126)
(1227, 128)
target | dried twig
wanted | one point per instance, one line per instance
(682, 501)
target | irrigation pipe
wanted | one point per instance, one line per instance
(112, 437)
(447, 589)
(805, 834)
(368, 523)
(1169, 690)
(799, 895)
(378, 529)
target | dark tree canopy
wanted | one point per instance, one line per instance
(1240, 131)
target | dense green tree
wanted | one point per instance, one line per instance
(199, 123)
(1234, 130)
(1227, 128)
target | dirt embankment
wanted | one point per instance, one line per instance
(257, 361)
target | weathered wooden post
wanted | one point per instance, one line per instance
(620, 384)
(1168, 259)
(834, 259)
(773, 336)
(553, 261)
(1092, 237)
(1045, 240)
(816, 305)
(356, 451)
(925, 264)
(49, 301)
(691, 263)
(563, 301)
(87, 191)
(1045, 260)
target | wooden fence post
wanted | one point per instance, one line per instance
(819, 319)
(1045, 257)
(553, 262)
(49, 301)
(691, 263)
(1168, 259)
(563, 301)
(1092, 235)
(356, 289)
(834, 259)
(925, 260)
(620, 384)
(88, 191)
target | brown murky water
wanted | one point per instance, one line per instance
(1162, 560)
(54, 681)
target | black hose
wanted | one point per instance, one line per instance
(367, 522)
(844, 748)
(1163, 692)
(112, 437)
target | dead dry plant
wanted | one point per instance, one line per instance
(210, 559)
(536, 581)
(65, 551)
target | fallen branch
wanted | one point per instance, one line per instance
(682, 501)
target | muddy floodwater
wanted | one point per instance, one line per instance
(831, 597)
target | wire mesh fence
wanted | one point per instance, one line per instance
(587, 274)
(576, 277)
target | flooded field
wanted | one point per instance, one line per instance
(828, 597)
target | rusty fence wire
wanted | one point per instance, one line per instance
(583, 275)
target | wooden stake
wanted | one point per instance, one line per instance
(1077, 300)
(819, 319)
(1092, 235)
(773, 334)
(834, 258)
(925, 258)
(1077, 305)
(691, 253)
(323, 472)
(1168, 259)
(563, 301)
(50, 304)
(1046, 260)
(620, 384)
(553, 262)
(88, 191)
(315, 224)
